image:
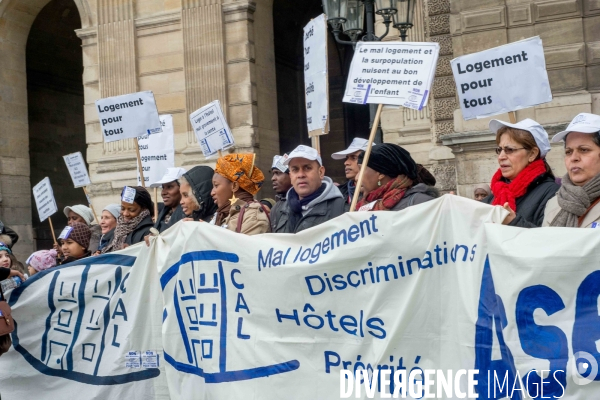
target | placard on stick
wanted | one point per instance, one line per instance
(157, 152)
(44, 199)
(398, 73)
(502, 79)
(316, 83)
(77, 169)
(211, 129)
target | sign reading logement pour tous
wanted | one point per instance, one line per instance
(157, 152)
(502, 79)
(44, 199)
(398, 73)
(128, 116)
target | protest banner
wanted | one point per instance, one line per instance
(316, 83)
(45, 202)
(434, 287)
(79, 175)
(128, 116)
(211, 129)
(157, 152)
(396, 73)
(502, 79)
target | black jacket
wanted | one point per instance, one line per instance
(328, 206)
(346, 194)
(420, 193)
(4, 272)
(177, 216)
(200, 179)
(106, 239)
(14, 237)
(143, 229)
(530, 206)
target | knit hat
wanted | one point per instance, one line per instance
(78, 232)
(114, 209)
(4, 246)
(237, 168)
(81, 210)
(391, 160)
(42, 260)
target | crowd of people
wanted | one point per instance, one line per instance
(524, 185)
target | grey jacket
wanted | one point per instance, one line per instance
(328, 205)
(420, 193)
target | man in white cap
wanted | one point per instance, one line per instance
(171, 212)
(280, 177)
(313, 198)
(351, 168)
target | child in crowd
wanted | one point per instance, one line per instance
(41, 261)
(74, 241)
(6, 260)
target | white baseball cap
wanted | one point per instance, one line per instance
(356, 145)
(537, 131)
(584, 123)
(303, 151)
(171, 175)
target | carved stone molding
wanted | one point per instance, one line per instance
(445, 175)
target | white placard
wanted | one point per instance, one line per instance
(157, 152)
(399, 73)
(211, 129)
(44, 199)
(502, 79)
(316, 82)
(77, 169)
(128, 116)
(128, 195)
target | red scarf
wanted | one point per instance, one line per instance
(387, 196)
(509, 192)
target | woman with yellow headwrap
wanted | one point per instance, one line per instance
(235, 182)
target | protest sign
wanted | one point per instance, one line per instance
(434, 287)
(316, 83)
(398, 73)
(503, 79)
(128, 116)
(211, 129)
(157, 152)
(44, 199)
(77, 169)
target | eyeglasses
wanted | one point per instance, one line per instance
(507, 150)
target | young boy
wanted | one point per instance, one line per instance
(74, 241)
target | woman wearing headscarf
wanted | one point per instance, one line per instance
(196, 201)
(524, 182)
(481, 191)
(235, 182)
(171, 212)
(576, 204)
(135, 220)
(393, 181)
(83, 214)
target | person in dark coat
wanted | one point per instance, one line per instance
(135, 220)
(280, 177)
(171, 213)
(524, 182)
(195, 186)
(351, 168)
(393, 181)
(8, 236)
(313, 198)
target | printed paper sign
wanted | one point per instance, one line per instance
(133, 359)
(44, 199)
(128, 195)
(157, 152)
(77, 169)
(150, 359)
(398, 73)
(65, 232)
(502, 79)
(211, 129)
(280, 163)
(128, 116)
(316, 82)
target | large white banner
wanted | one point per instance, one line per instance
(316, 82)
(438, 286)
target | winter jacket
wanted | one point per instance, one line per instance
(10, 234)
(552, 209)
(70, 259)
(281, 200)
(177, 216)
(200, 179)
(328, 205)
(531, 206)
(255, 219)
(140, 231)
(420, 193)
(106, 239)
(344, 190)
(95, 238)
(4, 273)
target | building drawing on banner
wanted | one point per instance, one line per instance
(85, 310)
(200, 308)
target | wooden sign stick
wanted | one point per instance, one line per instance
(513, 117)
(90, 203)
(366, 158)
(52, 230)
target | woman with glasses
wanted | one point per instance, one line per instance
(576, 203)
(524, 182)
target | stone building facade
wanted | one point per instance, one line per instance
(58, 56)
